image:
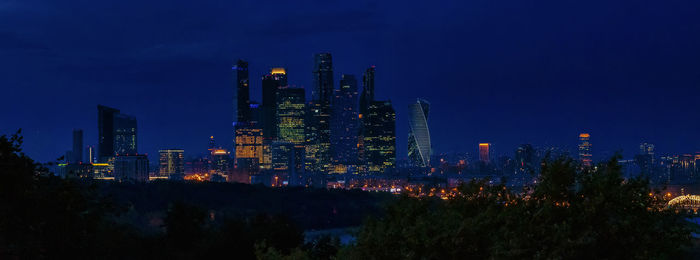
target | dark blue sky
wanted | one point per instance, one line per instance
(506, 72)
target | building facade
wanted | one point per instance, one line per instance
(419, 146)
(131, 168)
(380, 137)
(344, 122)
(172, 163)
(584, 149)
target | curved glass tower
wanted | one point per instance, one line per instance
(418, 133)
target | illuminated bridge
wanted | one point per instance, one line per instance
(686, 202)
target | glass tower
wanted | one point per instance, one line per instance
(419, 148)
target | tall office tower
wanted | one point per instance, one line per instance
(212, 144)
(584, 149)
(380, 137)
(419, 148)
(366, 98)
(220, 161)
(291, 111)
(77, 146)
(172, 163)
(318, 117)
(131, 168)
(249, 148)
(124, 134)
(647, 149)
(105, 132)
(241, 93)
(271, 84)
(525, 159)
(367, 90)
(485, 152)
(116, 133)
(322, 78)
(645, 159)
(344, 122)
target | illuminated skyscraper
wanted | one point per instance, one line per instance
(291, 110)
(271, 84)
(380, 137)
(249, 148)
(584, 149)
(220, 161)
(77, 146)
(419, 148)
(318, 137)
(366, 98)
(116, 133)
(172, 163)
(485, 152)
(344, 122)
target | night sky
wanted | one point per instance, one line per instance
(506, 72)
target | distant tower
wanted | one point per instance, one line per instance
(380, 137)
(116, 133)
(318, 115)
(172, 163)
(485, 152)
(77, 146)
(419, 148)
(271, 85)
(344, 127)
(366, 98)
(241, 93)
(584, 149)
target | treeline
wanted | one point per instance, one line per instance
(571, 213)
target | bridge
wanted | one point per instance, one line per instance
(691, 202)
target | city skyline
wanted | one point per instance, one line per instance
(504, 94)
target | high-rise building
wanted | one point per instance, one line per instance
(419, 148)
(584, 149)
(220, 161)
(525, 159)
(271, 84)
(131, 168)
(124, 134)
(116, 133)
(172, 163)
(322, 78)
(366, 98)
(344, 122)
(241, 93)
(89, 154)
(249, 148)
(291, 112)
(645, 159)
(485, 152)
(380, 137)
(77, 146)
(318, 151)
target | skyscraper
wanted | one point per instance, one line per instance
(116, 133)
(241, 93)
(344, 122)
(525, 158)
(419, 147)
(172, 163)
(249, 148)
(271, 84)
(77, 146)
(322, 77)
(485, 153)
(318, 116)
(124, 134)
(380, 137)
(366, 98)
(584, 149)
(291, 110)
